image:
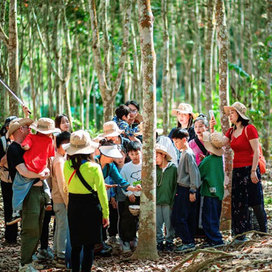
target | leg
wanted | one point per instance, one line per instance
(159, 224)
(75, 258)
(170, 232)
(88, 257)
(113, 221)
(45, 230)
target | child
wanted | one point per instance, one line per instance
(121, 119)
(39, 147)
(212, 188)
(185, 208)
(165, 193)
(132, 173)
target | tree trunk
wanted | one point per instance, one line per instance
(224, 101)
(13, 56)
(146, 248)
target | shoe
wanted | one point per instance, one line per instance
(60, 263)
(45, 254)
(112, 240)
(160, 246)
(126, 247)
(211, 244)
(185, 248)
(15, 219)
(37, 265)
(240, 240)
(169, 246)
(133, 244)
(27, 268)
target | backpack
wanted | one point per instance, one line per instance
(4, 172)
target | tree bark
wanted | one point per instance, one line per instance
(224, 101)
(146, 248)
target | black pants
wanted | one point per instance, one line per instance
(88, 257)
(10, 231)
(45, 230)
(113, 221)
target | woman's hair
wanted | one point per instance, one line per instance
(3, 129)
(243, 121)
(105, 142)
(202, 117)
(63, 137)
(58, 119)
(190, 121)
(78, 158)
(180, 133)
(134, 103)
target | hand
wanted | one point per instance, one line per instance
(105, 222)
(44, 174)
(26, 111)
(192, 197)
(113, 203)
(212, 124)
(254, 177)
(3, 160)
(138, 187)
(201, 157)
(108, 186)
(132, 198)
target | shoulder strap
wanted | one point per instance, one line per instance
(84, 182)
(201, 146)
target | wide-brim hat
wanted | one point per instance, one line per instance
(183, 108)
(45, 126)
(162, 149)
(111, 151)
(214, 142)
(80, 143)
(110, 129)
(17, 123)
(239, 107)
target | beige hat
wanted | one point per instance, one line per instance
(239, 107)
(45, 126)
(183, 108)
(110, 129)
(17, 123)
(111, 151)
(80, 143)
(162, 149)
(214, 142)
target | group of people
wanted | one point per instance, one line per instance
(91, 184)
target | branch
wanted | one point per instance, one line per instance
(3, 36)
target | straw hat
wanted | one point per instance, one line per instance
(110, 129)
(214, 142)
(162, 149)
(80, 143)
(17, 123)
(183, 108)
(239, 107)
(45, 126)
(111, 151)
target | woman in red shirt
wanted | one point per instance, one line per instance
(246, 178)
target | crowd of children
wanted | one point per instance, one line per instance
(189, 183)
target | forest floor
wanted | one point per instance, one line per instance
(253, 255)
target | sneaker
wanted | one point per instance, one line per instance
(45, 254)
(133, 244)
(211, 244)
(37, 265)
(112, 240)
(27, 268)
(160, 246)
(169, 246)
(126, 247)
(240, 240)
(60, 263)
(15, 219)
(185, 248)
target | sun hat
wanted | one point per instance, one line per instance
(111, 151)
(214, 142)
(239, 107)
(80, 143)
(183, 108)
(45, 126)
(162, 149)
(110, 129)
(17, 123)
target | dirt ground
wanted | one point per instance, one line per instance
(254, 255)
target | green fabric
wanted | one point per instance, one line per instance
(32, 222)
(92, 173)
(212, 175)
(166, 185)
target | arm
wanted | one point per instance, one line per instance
(21, 168)
(254, 143)
(58, 169)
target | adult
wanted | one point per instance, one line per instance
(184, 114)
(62, 122)
(87, 194)
(135, 118)
(246, 178)
(33, 205)
(6, 185)
(60, 198)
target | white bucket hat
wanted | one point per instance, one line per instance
(80, 143)
(162, 149)
(45, 126)
(183, 108)
(110, 129)
(111, 151)
(214, 142)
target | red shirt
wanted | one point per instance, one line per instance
(41, 148)
(243, 153)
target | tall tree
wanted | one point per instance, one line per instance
(222, 37)
(146, 248)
